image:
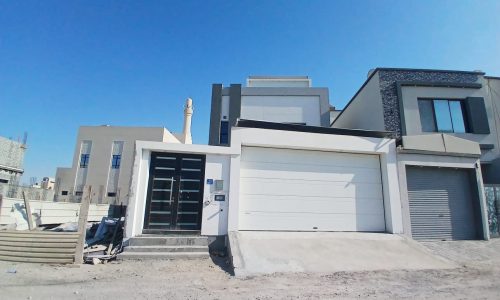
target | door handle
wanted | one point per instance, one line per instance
(171, 190)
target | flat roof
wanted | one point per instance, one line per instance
(311, 129)
(277, 77)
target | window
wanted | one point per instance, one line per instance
(4, 181)
(115, 161)
(442, 116)
(78, 193)
(84, 160)
(224, 132)
(111, 194)
(64, 193)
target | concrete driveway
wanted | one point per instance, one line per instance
(326, 252)
(476, 254)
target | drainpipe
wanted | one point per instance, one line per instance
(188, 113)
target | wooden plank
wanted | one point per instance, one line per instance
(36, 239)
(41, 236)
(40, 245)
(37, 249)
(82, 226)
(29, 215)
(41, 232)
(36, 254)
(37, 260)
(110, 246)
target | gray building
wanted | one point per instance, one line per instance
(281, 99)
(11, 160)
(446, 126)
(103, 159)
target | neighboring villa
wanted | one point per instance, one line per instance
(445, 123)
(103, 159)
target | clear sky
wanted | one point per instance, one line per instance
(64, 64)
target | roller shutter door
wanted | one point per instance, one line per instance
(297, 190)
(442, 204)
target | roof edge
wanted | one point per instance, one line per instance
(311, 129)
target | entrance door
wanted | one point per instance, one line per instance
(175, 192)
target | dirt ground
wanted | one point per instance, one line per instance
(477, 278)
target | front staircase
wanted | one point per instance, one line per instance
(166, 247)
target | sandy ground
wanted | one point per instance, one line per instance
(477, 278)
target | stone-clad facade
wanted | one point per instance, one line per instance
(388, 89)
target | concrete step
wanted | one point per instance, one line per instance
(163, 249)
(162, 255)
(157, 240)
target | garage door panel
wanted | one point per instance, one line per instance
(334, 189)
(314, 205)
(441, 204)
(323, 173)
(311, 158)
(285, 189)
(307, 221)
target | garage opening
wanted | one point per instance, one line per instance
(302, 190)
(444, 203)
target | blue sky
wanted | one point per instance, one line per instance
(64, 64)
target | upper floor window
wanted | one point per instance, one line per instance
(224, 133)
(442, 115)
(84, 160)
(115, 161)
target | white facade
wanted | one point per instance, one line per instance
(375, 157)
(282, 109)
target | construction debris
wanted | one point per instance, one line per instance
(104, 241)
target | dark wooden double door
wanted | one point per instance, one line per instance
(175, 192)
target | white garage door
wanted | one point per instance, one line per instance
(283, 189)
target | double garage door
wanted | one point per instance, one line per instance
(298, 190)
(443, 204)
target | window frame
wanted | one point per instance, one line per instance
(84, 163)
(226, 134)
(116, 160)
(462, 107)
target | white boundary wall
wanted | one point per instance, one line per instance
(13, 212)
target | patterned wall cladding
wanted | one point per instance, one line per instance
(493, 203)
(388, 90)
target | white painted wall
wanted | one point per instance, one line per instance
(365, 111)
(225, 108)
(282, 109)
(13, 212)
(214, 216)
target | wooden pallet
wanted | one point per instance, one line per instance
(38, 246)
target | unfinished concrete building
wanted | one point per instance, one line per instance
(11, 160)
